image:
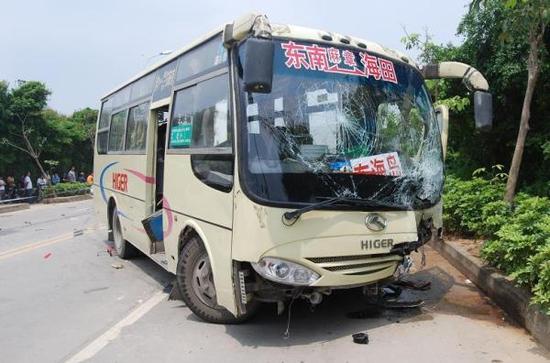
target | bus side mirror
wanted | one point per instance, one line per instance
(483, 110)
(442, 115)
(258, 65)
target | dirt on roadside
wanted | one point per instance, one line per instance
(473, 246)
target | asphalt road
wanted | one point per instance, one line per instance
(62, 300)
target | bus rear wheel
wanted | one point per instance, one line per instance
(124, 249)
(196, 285)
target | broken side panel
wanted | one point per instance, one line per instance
(153, 227)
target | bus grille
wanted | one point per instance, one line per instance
(358, 264)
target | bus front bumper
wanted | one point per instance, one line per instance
(331, 272)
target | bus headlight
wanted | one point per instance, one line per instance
(285, 272)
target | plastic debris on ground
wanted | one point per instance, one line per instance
(360, 338)
(415, 285)
(108, 250)
(174, 291)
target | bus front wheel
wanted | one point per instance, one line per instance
(123, 248)
(196, 285)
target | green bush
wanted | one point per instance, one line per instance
(518, 236)
(65, 190)
(494, 215)
(541, 276)
(524, 234)
(463, 203)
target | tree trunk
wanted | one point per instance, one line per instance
(31, 151)
(533, 70)
(37, 161)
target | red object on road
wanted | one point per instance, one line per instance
(47, 255)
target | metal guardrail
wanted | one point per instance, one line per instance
(38, 195)
(16, 200)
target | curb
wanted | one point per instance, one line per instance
(515, 301)
(73, 198)
(13, 207)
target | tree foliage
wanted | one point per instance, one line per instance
(499, 48)
(34, 137)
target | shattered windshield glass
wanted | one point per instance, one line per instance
(340, 122)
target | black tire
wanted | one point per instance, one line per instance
(203, 305)
(124, 249)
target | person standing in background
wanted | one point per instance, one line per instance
(71, 175)
(81, 177)
(2, 188)
(10, 187)
(40, 185)
(55, 179)
(41, 182)
(28, 185)
(90, 179)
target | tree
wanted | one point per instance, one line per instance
(504, 64)
(70, 138)
(529, 17)
(87, 118)
(24, 119)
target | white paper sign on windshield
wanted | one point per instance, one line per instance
(381, 164)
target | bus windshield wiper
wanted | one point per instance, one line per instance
(289, 218)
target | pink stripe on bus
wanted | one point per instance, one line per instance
(146, 178)
(169, 216)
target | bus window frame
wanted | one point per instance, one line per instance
(212, 73)
(148, 113)
(113, 152)
(203, 75)
(104, 129)
(127, 108)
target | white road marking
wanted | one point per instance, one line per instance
(33, 246)
(101, 342)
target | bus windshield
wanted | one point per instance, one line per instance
(340, 122)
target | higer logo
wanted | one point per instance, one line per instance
(120, 182)
(376, 243)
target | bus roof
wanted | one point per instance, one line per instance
(164, 61)
(280, 31)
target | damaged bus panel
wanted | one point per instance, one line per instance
(266, 163)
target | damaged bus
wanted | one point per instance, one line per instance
(265, 163)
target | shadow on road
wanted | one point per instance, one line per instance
(450, 293)
(330, 319)
(142, 262)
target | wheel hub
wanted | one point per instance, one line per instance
(117, 234)
(203, 283)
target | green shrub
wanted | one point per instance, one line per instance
(494, 215)
(463, 203)
(518, 236)
(541, 276)
(521, 247)
(65, 190)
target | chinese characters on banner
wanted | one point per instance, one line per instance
(333, 60)
(382, 164)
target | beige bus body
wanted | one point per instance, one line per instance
(233, 228)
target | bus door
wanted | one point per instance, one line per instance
(160, 153)
(153, 223)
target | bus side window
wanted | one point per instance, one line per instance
(201, 124)
(103, 127)
(136, 132)
(117, 131)
(102, 138)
